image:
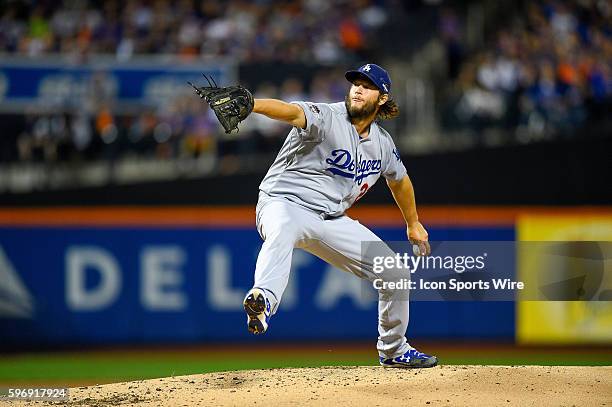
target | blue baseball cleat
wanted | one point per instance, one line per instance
(411, 359)
(257, 307)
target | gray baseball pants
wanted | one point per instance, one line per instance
(284, 225)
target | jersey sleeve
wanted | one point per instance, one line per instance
(316, 119)
(393, 167)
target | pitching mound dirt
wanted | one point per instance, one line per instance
(367, 386)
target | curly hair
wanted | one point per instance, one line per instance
(389, 110)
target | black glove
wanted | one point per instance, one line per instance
(231, 104)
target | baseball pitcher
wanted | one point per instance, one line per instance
(331, 157)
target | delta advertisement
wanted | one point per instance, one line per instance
(63, 285)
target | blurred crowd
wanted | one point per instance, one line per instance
(545, 71)
(318, 32)
(324, 31)
(549, 72)
(184, 127)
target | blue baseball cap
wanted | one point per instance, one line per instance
(374, 73)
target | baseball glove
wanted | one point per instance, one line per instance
(231, 104)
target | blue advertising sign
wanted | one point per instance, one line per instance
(52, 83)
(135, 284)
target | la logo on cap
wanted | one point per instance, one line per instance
(367, 68)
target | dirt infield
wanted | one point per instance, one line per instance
(363, 385)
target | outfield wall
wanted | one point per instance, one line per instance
(178, 274)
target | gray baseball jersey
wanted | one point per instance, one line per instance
(327, 166)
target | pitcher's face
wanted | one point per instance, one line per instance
(363, 98)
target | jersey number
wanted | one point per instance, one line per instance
(362, 191)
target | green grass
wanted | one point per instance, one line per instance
(103, 367)
(83, 368)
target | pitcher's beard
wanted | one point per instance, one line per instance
(356, 112)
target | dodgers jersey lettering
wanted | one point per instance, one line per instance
(327, 166)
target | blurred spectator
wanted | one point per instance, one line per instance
(11, 30)
(450, 31)
(82, 132)
(292, 89)
(38, 36)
